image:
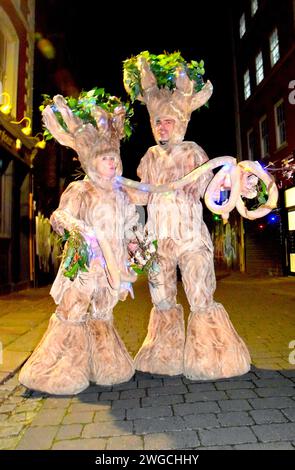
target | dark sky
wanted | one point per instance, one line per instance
(92, 38)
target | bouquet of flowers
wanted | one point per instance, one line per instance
(76, 256)
(142, 251)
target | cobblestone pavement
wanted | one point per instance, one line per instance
(254, 411)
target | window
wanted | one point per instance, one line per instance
(264, 136)
(247, 85)
(9, 52)
(251, 144)
(254, 7)
(2, 63)
(274, 47)
(280, 123)
(242, 25)
(259, 68)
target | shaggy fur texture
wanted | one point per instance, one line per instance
(162, 349)
(213, 349)
(69, 356)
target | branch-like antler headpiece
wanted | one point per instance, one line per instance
(168, 85)
(87, 127)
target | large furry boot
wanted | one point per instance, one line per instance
(213, 349)
(162, 349)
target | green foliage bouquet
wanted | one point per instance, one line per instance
(81, 107)
(164, 68)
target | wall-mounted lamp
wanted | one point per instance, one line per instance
(41, 144)
(5, 108)
(27, 130)
(18, 144)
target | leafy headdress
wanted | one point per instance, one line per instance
(92, 124)
(168, 85)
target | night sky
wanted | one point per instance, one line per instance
(92, 38)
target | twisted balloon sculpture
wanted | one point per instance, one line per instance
(241, 178)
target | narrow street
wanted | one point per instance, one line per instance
(254, 411)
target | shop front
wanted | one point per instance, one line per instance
(16, 207)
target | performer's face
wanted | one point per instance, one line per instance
(164, 129)
(105, 166)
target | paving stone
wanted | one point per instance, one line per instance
(150, 383)
(8, 443)
(173, 390)
(275, 432)
(263, 446)
(13, 399)
(229, 385)
(132, 403)
(89, 397)
(171, 440)
(268, 374)
(83, 407)
(289, 413)
(49, 418)
(38, 438)
(10, 384)
(277, 402)
(204, 396)
(109, 415)
(235, 418)
(69, 431)
(7, 408)
(149, 412)
(234, 405)
(56, 403)
(279, 382)
(125, 443)
(201, 387)
(162, 400)
(138, 393)
(125, 386)
(241, 394)
(28, 405)
(288, 373)
(76, 417)
(268, 416)
(17, 418)
(8, 431)
(194, 408)
(13, 359)
(224, 436)
(147, 426)
(80, 444)
(275, 392)
(172, 381)
(216, 448)
(116, 428)
(109, 396)
(200, 421)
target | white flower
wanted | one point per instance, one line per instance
(152, 248)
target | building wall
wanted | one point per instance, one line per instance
(16, 79)
(267, 242)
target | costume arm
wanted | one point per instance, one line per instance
(66, 216)
(203, 181)
(140, 198)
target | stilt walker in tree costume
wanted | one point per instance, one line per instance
(211, 349)
(81, 343)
